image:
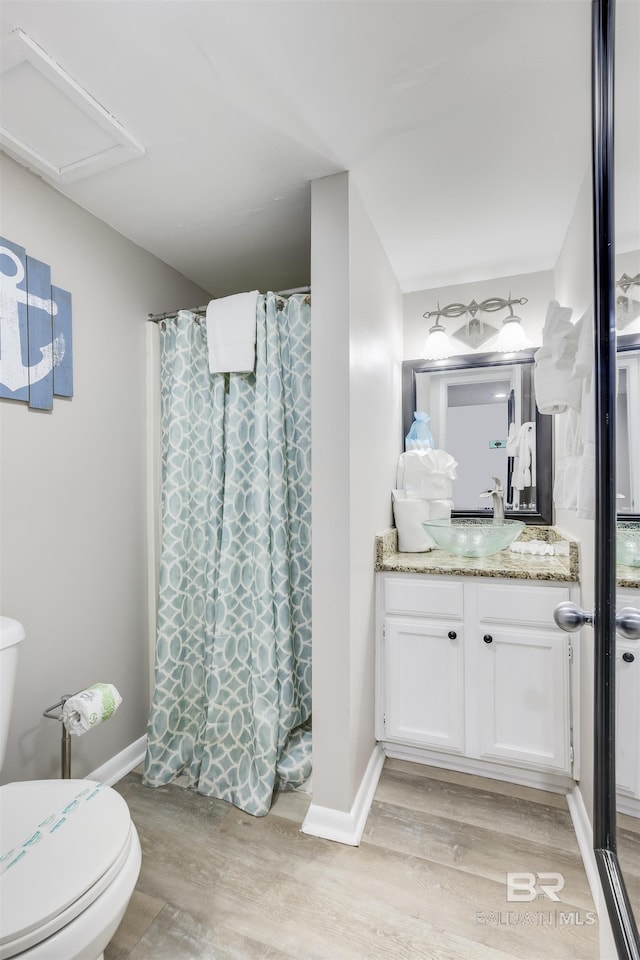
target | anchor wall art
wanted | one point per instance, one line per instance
(35, 331)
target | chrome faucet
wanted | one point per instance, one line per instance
(498, 500)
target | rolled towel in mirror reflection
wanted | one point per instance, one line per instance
(90, 707)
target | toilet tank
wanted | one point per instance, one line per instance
(11, 633)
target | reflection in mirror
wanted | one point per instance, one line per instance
(628, 651)
(627, 433)
(482, 411)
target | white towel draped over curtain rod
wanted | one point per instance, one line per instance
(200, 311)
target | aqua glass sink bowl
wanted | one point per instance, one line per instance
(473, 537)
(627, 544)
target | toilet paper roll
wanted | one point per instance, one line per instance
(90, 707)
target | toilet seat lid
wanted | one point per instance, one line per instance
(58, 838)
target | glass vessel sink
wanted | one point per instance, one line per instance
(627, 544)
(477, 537)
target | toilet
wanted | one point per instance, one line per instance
(69, 853)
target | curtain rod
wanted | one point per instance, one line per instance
(157, 317)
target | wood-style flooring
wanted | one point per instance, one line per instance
(427, 881)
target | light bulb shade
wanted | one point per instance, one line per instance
(438, 345)
(511, 337)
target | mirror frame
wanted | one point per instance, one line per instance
(543, 514)
(626, 343)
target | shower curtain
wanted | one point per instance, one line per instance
(232, 701)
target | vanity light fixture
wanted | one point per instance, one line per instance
(627, 306)
(438, 346)
(512, 336)
(475, 331)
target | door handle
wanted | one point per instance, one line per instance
(570, 617)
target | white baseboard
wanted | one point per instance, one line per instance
(123, 763)
(628, 805)
(584, 835)
(554, 783)
(339, 825)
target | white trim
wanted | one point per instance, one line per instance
(584, 834)
(153, 495)
(341, 826)
(628, 805)
(120, 765)
(554, 783)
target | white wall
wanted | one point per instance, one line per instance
(73, 526)
(574, 288)
(356, 433)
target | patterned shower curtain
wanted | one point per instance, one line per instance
(232, 702)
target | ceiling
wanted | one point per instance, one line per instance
(464, 124)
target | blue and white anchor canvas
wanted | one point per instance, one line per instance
(35, 331)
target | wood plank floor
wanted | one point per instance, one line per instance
(427, 881)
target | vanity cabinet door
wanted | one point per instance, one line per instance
(628, 717)
(424, 676)
(524, 697)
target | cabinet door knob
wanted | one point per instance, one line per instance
(452, 635)
(628, 657)
(488, 638)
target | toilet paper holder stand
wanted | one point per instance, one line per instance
(65, 746)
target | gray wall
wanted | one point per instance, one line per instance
(73, 523)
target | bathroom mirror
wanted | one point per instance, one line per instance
(627, 433)
(483, 412)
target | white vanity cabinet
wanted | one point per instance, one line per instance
(524, 679)
(423, 662)
(628, 715)
(473, 674)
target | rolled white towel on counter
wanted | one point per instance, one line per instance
(539, 548)
(90, 707)
(409, 514)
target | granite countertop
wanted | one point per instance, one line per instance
(563, 567)
(628, 577)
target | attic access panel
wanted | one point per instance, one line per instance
(50, 123)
